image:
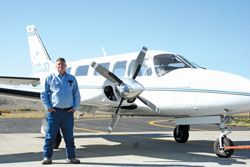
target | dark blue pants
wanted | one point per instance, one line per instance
(56, 120)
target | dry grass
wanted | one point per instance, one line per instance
(22, 114)
(240, 122)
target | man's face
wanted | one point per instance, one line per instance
(61, 67)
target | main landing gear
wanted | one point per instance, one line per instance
(181, 133)
(222, 146)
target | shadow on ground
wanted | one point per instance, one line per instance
(144, 145)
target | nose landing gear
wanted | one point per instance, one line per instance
(223, 146)
(220, 151)
(222, 142)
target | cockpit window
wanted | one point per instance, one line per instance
(165, 63)
(193, 65)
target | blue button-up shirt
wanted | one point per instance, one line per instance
(60, 91)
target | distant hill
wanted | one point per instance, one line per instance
(13, 104)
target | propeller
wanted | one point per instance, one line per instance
(129, 88)
(138, 63)
(115, 116)
(149, 104)
(106, 73)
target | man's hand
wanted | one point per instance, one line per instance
(51, 110)
(72, 110)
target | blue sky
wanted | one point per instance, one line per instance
(213, 33)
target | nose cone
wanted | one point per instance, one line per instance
(130, 88)
(222, 81)
(219, 92)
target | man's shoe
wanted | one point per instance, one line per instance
(46, 161)
(73, 161)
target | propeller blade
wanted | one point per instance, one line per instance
(138, 63)
(149, 104)
(115, 117)
(106, 73)
(113, 122)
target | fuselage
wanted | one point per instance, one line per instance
(178, 87)
(173, 84)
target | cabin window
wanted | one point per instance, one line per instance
(105, 65)
(165, 63)
(145, 70)
(68, 70)
(82, 70)
(119, 68)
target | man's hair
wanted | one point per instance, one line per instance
(61, 59)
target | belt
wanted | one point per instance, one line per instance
(62, 108)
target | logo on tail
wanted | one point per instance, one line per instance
(40, 59)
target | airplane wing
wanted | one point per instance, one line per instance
(19, 80)
(25, 87)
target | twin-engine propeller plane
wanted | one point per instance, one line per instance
(154, 83)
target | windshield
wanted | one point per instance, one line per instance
(192, 65)
(165, 63)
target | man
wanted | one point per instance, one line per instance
(61, 98)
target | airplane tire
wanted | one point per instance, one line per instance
(57, 141)
(221, 152)
(182, 135)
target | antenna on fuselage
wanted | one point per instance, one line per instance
(103, 51)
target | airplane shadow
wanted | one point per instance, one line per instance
(143, 145)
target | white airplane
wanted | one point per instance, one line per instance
(154, 83)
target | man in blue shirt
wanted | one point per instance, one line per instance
(61, 97)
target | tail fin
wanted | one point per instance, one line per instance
(41, 62)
